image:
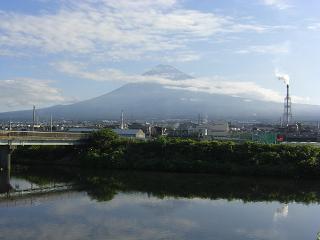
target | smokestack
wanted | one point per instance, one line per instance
(287, 114)
(122, 120)
(287, 106)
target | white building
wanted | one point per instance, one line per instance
(130, 133)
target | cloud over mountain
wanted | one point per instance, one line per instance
(168, 77)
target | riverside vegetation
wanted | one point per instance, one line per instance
(106, 150)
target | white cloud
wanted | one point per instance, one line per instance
(212, 85)
(118, 30)
(314, 26)
(183, 56)
(279, 4)
(259, 233)
(10, 53)
(282, 48)
(23, 93)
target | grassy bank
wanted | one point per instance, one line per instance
(106, 150)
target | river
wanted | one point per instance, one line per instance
(57, 203)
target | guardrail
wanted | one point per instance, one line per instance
(37, 190)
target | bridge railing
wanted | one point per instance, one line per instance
(42, 135)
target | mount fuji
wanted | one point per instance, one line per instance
(146, 100)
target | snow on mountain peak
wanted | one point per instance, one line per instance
(167, 71)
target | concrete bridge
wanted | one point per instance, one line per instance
(14, 196)
(9, 140)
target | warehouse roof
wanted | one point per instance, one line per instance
(126, 131)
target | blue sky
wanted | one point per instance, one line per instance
(62, 51)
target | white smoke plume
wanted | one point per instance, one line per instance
(283, 77)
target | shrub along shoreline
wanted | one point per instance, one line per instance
(106, 150)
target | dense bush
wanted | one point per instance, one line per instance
(186, 155)
(106, 150)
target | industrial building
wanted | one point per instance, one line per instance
(130, 133)
(203, 130)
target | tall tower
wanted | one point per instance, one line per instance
(33, 117)
(51, 123)
(122, 120)
(199, 119)
(287, 114)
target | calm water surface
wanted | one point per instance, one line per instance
(68, 204)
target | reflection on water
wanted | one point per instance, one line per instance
(20, 184)
(133, 205)
(281, 212)
(5, 185)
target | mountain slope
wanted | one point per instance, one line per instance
(150, 101)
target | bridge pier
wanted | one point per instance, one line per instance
(5, 157)
(5, 185)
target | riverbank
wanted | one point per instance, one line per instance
(106, 150)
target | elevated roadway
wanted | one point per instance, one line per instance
(25, 138)
(9, 140)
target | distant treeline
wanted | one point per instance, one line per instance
(106, 150)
